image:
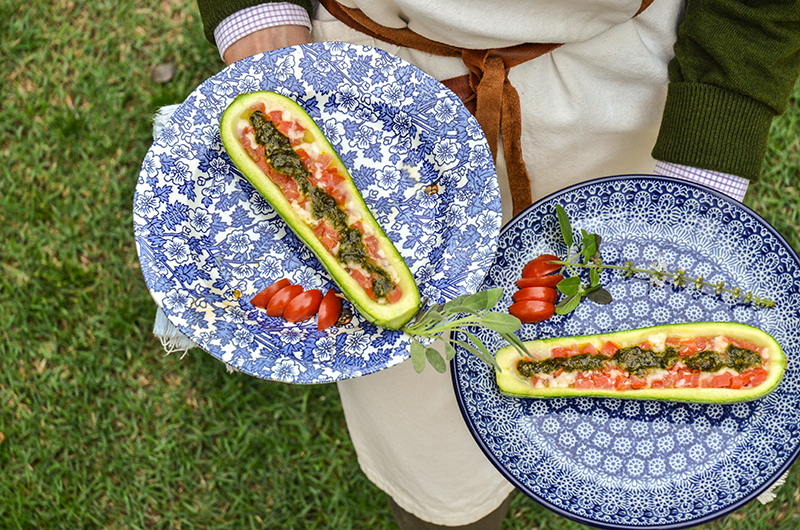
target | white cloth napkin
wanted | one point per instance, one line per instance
(171, 338)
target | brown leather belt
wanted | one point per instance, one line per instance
(486, 90)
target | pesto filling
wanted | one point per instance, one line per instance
(282, 158)
(640, 361)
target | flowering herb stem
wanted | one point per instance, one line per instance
(588, 257)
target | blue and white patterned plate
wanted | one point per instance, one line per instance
(208, 242)
(614, 463)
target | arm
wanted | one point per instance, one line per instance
(734, 68)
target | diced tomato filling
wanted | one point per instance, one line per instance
(323, 175)
(323, 161)
(622, 383)
(330, 178)
(305, 159)
(254, 150)
(678, 376)
(687, 347)
(364, 281)
(291, 191)
(373, 246)
(327, 235)
(286, 127)
(744, 344)
(754, 376)
(394, 295)
(602, 381)
(565, 351)
(279, 179)
(609, 349)
(721, 381)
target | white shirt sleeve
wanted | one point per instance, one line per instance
(731, 185)
(262, 16)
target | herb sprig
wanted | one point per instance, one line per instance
(588, 257)
(439, 321)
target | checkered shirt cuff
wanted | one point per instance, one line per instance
(731, 185)
(262, 16)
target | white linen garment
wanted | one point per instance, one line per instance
(590, 108)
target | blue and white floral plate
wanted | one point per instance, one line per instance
(614, 463)
(208, 242)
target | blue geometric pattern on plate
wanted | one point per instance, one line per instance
(615, 463)
(208, 241)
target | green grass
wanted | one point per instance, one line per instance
(98, 427)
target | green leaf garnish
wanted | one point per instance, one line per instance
(600, 296)
(439, 321)
(568, 304)
(436, 360)
(569, 286)
(566, 227)
(417, 355)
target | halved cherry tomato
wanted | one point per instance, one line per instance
(551, 280)
(330, 309)
(278, 302)
(529, 311)
(303, 306)
(540, 266)
(544, 294)
(262, 299)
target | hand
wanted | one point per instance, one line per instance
(265, 40)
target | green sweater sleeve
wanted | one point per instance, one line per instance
(213, 11)
(736, 63)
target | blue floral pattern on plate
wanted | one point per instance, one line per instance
(614, 463)
(208, 242)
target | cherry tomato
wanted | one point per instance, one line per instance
(262, 299)
(278, 302)
(529, 311)
(303, 306)
(551, 280)
(540, 266)
(543, 294)
(330, 309)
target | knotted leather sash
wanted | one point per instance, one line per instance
(486, 90)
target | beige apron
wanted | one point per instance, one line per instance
(589, 108)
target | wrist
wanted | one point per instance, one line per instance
(265, 40)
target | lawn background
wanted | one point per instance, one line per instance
(98, 427)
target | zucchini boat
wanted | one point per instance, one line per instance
(286, 157)
(706, 362)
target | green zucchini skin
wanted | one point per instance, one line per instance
(391, 316)
(512, 383)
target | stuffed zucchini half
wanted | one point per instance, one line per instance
(284, 154)
(707, 362)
